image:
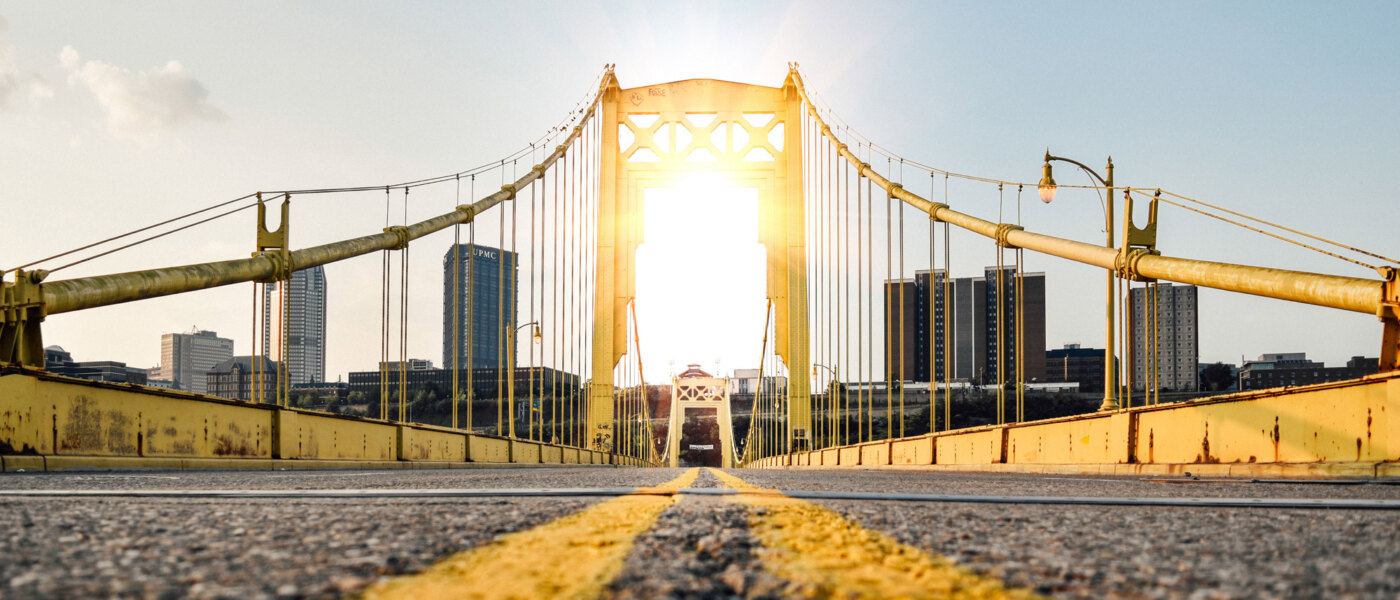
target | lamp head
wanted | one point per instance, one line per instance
(538, 337)
(1047, 182)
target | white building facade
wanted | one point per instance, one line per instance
(186, 358)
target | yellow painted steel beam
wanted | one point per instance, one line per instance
(1332, 291)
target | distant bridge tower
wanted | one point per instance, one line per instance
(697, 389)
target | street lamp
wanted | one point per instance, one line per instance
(510, 383)
(1047, 189)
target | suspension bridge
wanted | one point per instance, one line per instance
(843, 223)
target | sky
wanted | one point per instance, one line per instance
(118, 115)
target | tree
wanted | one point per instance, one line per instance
(1216, 377)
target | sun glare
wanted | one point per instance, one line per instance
(700, 277)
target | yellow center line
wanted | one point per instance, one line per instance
(571, 557)
(832, 557)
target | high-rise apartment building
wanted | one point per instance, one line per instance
(973, 345)
(305, 328)
(185, 358)
(479, 286)
(1177, 337)
(1002, 315)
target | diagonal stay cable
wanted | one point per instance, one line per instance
(153, 237)
(130, 233)
(572, 118)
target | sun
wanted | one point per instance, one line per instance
(700, 277)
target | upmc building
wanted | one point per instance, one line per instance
(482, 293)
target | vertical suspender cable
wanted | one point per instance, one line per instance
(383, 324)
(502, 330)
(1001, 313)
(861, 341)
(253, 359)
(531, 368)
(830, 293)
(841, 266)
(456, 308)
(949, 336)
(574, 291)
(930, 315)
(1126, 372)
(403, 319)
(556, 333)
(471, 311)
(889, 310)
(870, 300)
(902, 377)
(1020, 316)
(513, 281)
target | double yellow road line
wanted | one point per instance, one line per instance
(819, 552)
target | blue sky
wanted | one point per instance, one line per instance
(1285, 110)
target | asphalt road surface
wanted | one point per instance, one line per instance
(378, 532)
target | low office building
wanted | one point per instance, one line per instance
(237, 379)
(60, 362)
(1294, 368)
(1075, 364)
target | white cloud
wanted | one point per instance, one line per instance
(143, 104)
(14, 81)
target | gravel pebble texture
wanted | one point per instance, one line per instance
(262, 548)
(1132, 552)
(242, 548)
(700, 548)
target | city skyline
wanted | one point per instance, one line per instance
(1292, 112)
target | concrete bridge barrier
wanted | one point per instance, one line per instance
(48, 422)
(1339, 429)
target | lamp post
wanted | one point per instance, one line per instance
(1047, 193)
(831, 435)
(510, 383)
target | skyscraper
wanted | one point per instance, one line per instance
(185, 358)
(972, 345)
(305, 328)
(1177, 337)
(1031, 320)
(482, 295)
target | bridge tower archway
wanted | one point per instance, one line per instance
(693, 392)
(652, 135)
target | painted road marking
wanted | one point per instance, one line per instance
(833, 557)
(571, 557)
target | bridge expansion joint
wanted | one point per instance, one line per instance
(282, 265)
(1126, 263)
(400, 236)
(1003, 231)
